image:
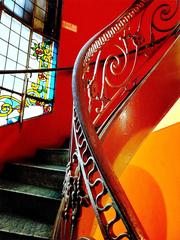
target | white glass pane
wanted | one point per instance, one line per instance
(25, 32)
(20, 67)
(34, 78)
(16, 26)
(4, 32)
(22, 57)
(20, 75)
(1, 79)
(33, 111)
(3, 48)
(16, 96)
(8, 81)
(36, 38)
(10, 65)
(18, 86)
(24, 44)
(12, 53)
(2, 61)
(2, 119)
(6, 19)
(14, 39)
(3, 92)
(33, 63)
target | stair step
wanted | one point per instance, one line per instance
(41, 207)
(29, 189)
(51, 176)
(53, 156)
(15, 227)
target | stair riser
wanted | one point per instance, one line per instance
(12, 236)
(57, 157)
(34, 176)
(30, 206)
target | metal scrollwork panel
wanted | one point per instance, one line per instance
(74, 197)
(114, 59)
(107, 211)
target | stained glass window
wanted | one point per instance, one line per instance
(22, 47)
(41, 15)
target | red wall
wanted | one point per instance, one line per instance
(90, 16)
(51, 130)
(45, 131)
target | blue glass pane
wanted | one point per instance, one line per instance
(19, 11)
(9, 4)
(29, 6)
(21, 3)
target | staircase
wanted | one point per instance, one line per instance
(30, 194)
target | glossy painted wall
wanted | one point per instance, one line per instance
(149, 171)
(152, 184)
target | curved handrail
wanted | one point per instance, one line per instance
(94, 102)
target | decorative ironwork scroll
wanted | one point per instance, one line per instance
(100, 194)
(115, 57)
(74, 197)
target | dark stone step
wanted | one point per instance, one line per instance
(52, 156)
(51, 176)
(29, 189)
(16, 227)
(29, 205)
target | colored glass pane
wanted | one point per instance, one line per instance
(9, 107)
(21, 48)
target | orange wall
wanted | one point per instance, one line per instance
(152, 183)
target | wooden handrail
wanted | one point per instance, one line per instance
(36, 70)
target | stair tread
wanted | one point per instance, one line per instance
(29, 189)
(17, 224)
(52, 167)
(54, 149)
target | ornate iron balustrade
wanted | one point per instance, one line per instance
(107, 70)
